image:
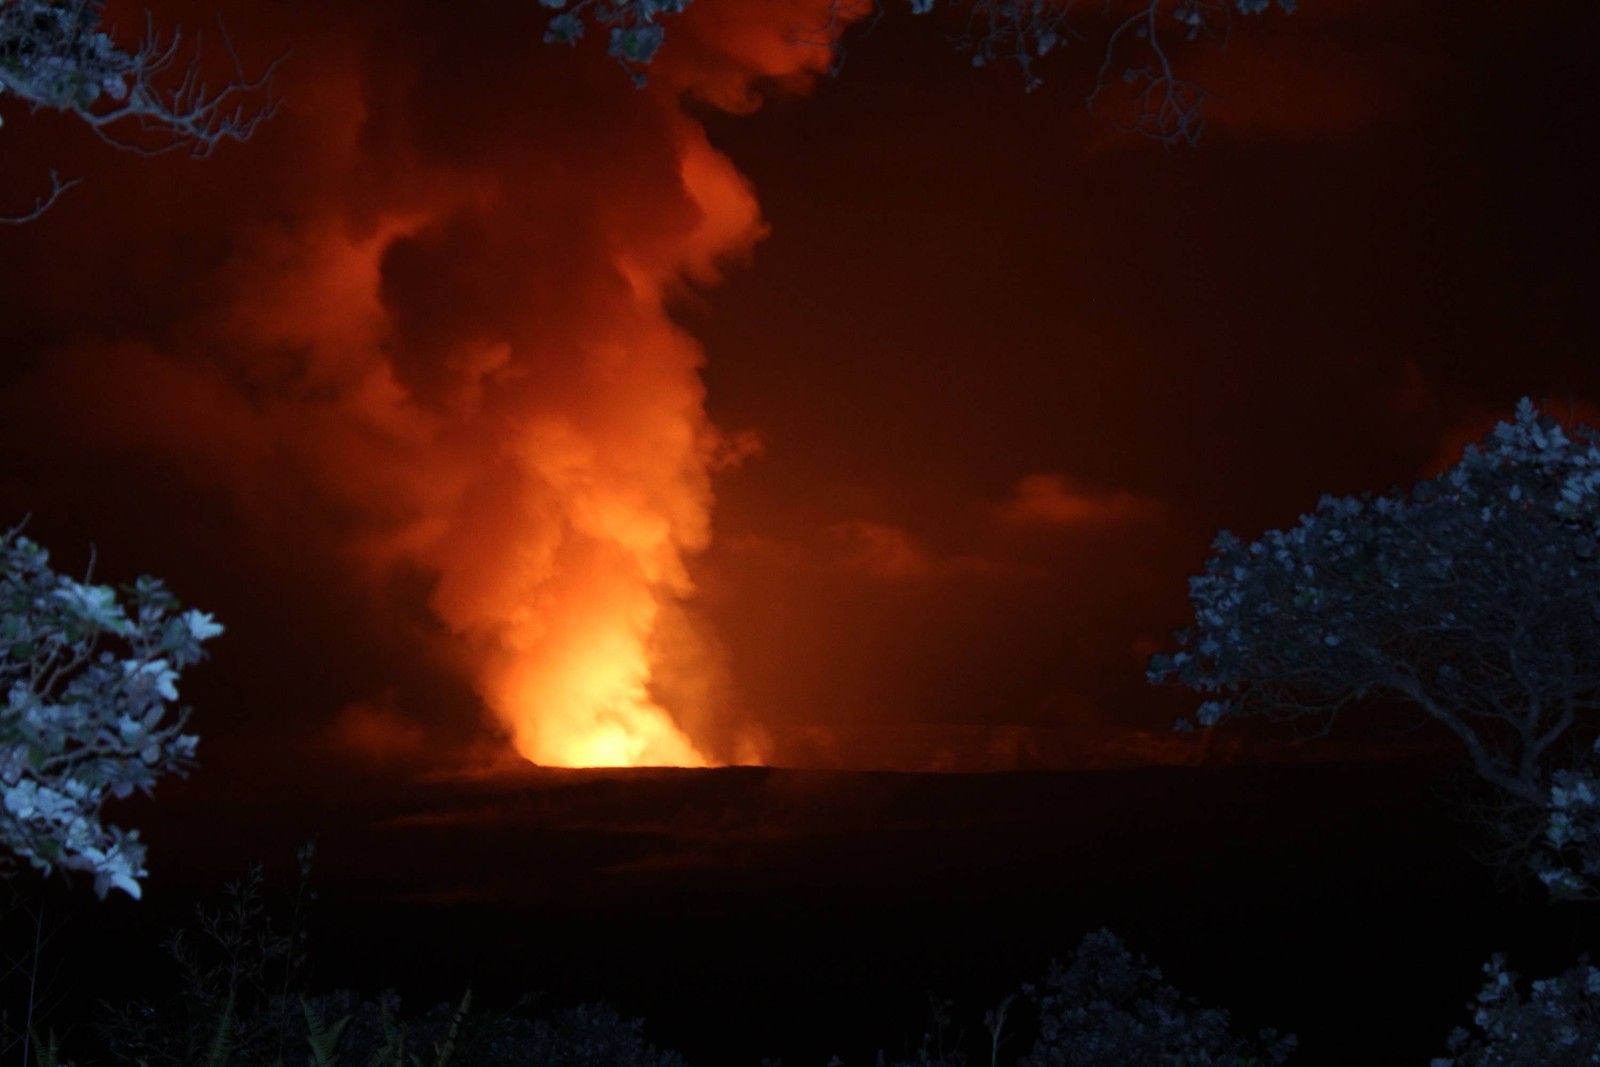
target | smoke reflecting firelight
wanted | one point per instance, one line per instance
(593, 708)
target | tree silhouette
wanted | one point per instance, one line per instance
(1475, 598)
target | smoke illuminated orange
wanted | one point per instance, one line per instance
(517, 415)
(615, 496)
(586, 486)
(595, 710)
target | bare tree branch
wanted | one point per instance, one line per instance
(188, 116)
(1017, 31)
(1168, 108)
(1165, 107)
(830, 35)
(54, 54)
(43, 203)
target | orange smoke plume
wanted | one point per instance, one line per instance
(562, 575)
(421, 346)
(563, 578)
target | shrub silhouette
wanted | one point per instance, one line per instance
(242, 1003)
(1108, 1008)
(1557, 1026)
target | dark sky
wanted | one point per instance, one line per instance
(876, 420)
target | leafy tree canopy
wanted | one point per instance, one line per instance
(1475, 597)
(86, 682)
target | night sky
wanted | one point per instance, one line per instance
(500, 409)
(497, 406)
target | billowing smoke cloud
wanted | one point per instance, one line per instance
(428, 337)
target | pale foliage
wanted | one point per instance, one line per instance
(82, 722)
(1475, 597)
(1557, 1026)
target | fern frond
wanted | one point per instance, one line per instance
(218, 1055)
(324, 1039)
(449, 1045)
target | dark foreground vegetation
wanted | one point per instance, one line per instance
(895, 917)
(240, 998)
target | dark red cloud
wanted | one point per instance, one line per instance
(412, 344)
(1379, 235)
(1052, 500)
(410, 390)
